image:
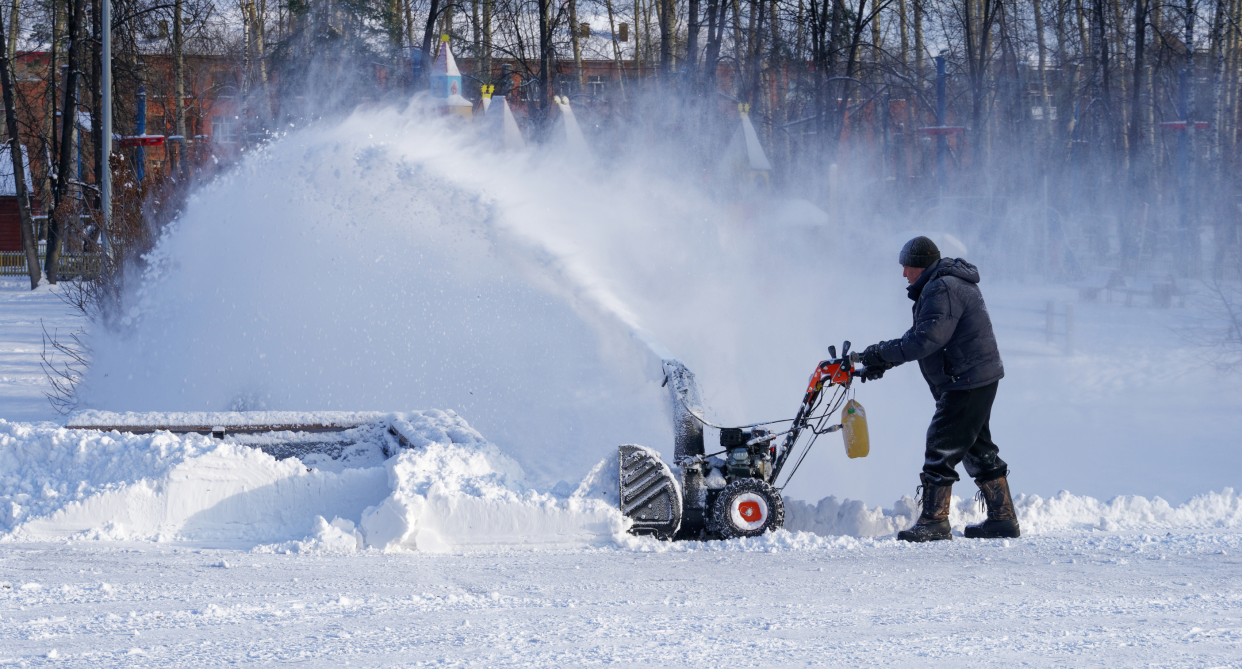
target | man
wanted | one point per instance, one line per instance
(952, 340)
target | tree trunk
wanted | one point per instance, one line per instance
(178, 54)
(756, 51)
(799, 54)
(14, 23)
(1136, 95)
(574, 29)
(1043, 64)
(652, 52)
(1119, 57)
(1062, 100)
(1189, 235)
(774, 25)
(29, 243)
(96, 99)
(860, 22)
(665, 9)
(739, 45)
(545, 47)
(830, 65)
(51, 145)
(918, 41)
(876, 52)
(692, 41)
(409, 24)
(258, 21)
(638, 56)
(245, 73)
(424, 61)
(616, 49)
(1084, 41)
(1216, 182)
(476, 32)
(747, 60)
(904, 56)
(487, 41)
(716, 11)
(68, 126)
(1218, 77)
(1104, 81)
(1234, 57)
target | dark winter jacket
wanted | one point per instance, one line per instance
(952, 334)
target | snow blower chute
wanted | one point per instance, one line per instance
(734, 492)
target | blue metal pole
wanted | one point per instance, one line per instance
(141, 157)
(105, 81)
(942, 141)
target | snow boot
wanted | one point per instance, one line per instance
(933, 523)
(1002, 521)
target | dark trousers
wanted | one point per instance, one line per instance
(959, 433)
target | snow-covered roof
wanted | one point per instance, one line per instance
(504, 120)
(7, 185)
(754, 151)
(446, 78)
(445, 64)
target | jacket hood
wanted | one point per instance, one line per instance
(944, 267)
(958, 268)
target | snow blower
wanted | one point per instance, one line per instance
(734, 492)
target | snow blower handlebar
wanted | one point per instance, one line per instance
(834, 371)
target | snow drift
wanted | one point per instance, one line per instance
(1060, 513)
(449, 490)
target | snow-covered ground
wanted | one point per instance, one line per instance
(165, 550)
(1077, 599)
(23, 316)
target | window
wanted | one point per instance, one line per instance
(1037, 113)
(224, 82)
(596, 85)
(224, 129)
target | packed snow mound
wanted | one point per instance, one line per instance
(59, 483)
(449, 497)
(1064, 511)
(336, 537)
(1060, 513)
(449, 489)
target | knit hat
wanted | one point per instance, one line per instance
(919, 252)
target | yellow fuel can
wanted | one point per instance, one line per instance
(854, 430)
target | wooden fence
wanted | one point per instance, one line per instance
(72, 265)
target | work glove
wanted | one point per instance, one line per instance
(871, 357)
(873, 372)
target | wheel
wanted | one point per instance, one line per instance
(747, 508)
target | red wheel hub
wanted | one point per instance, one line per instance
(750, 511)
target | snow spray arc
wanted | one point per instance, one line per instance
(396, 261)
